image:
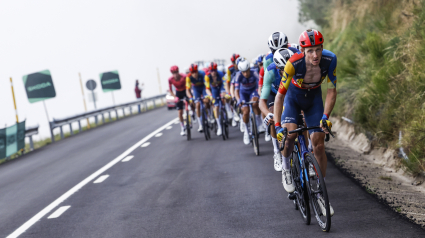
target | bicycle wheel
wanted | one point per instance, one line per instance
(223, 133)
(316, 186)
(255, 135)
(226, 125)
(205, 123)
(188, 125)
(301, 199)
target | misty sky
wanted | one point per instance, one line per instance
(133, 37)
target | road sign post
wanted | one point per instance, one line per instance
(110, 81)
(91, 85)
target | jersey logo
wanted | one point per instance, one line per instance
(300, 81)
(335, 71)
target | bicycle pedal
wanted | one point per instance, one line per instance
(292, 196)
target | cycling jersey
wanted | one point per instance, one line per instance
(198, 82)
(272, 78)
(231, 73)
(295, 71)
(215, 85)
(261, 77)
(179, 85)
(242, 83)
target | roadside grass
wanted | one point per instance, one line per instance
(43, 142)
(386, 178)
(380, 47)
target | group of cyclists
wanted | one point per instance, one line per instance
(281, 85)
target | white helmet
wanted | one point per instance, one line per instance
(277, 40)
(221, 68)
(243, 64)
(282, 56)
(296, 46)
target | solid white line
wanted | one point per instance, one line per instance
(58, 212)
(128, 158)
(87, 180)
(158, 135)
(101, 178)
(146, 144)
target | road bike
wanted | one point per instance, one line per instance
(310, 187)
(205, 124)
(223, 119)
(254, 134)
(187, 119)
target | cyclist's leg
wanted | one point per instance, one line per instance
(179, 107)
(254, 97)
(216, 96)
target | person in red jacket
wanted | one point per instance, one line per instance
(137, 90)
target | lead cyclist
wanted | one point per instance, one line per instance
(300, 89)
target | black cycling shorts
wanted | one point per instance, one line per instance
(180, 95)
(270, 99)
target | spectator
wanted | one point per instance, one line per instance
(138, 90)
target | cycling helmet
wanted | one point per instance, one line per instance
(238, 60)
(212, 66)
(174, 69)
(193, 68)
(281, 56)
(310, 38)
(221, 68)
(243, 64)
(277, 40)
(260, 58)
(295, 46)
(234, 57)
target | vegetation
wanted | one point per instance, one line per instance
(380, 45)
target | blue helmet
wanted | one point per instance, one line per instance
(260, 58)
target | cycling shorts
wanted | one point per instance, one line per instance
(216, 94)
(247, 95)
(270, 99)
(198, 92)
(180, 95)
(310, 101)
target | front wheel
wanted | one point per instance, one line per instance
(188, 124)
(301, 199)
(318, 194)
(255, 135)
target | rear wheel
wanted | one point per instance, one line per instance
(222, 124)
(188, 119)
(255, 135)
(205, 123)
(301, 199)
(316, 186)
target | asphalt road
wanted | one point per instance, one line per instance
(171, 188)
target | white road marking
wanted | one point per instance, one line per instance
(169, 127)
(128, 158)
(176, 122)
(146, 144)
(58, 212)
(87, 180)
(158, 135)
(101, 178)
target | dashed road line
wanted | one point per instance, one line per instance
(101, 178)
(58, 212)
(128, 158)
(169, 127)
(87, 180)
(158, 135)
(146, 144)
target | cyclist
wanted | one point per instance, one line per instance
(214, 83)
(230, 86)
(271, 84)
(179, 82)
(301, 88)
(196, 79)
(246, 84)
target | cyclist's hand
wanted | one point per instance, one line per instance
(267, 119)
(176, 99)
(191, 100)
(279, 132)
(227, 96)
(328, 123)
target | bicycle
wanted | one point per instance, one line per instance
(223, 119)
(254, 131)
(205, 124)
(308, 184)
(188, 120)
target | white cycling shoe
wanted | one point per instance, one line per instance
(236, 116)
(277, 162)
(246, 138)
(242, 127)
(268, 137)
(183, 132)
(234, 123)
(321, 203)
(288, 182)
(200, 129)
(219, 132)
(260, 127)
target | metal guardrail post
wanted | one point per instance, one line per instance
(31, 143)
(109, 114)
(123, 112)
(116, 115)
(62, 136)
(154, 106)
(52, 136)
(139, 109)
(70, 129)
(103, 118)
(131, 110)
(79, 126)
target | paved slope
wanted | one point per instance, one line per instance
(174, 188)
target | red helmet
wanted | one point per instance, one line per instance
(310, 38)
(213, 66)
(174, 69)
(193, 68)
(234, 57)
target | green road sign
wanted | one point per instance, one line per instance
(12, 139)
(110, 81)
(39, 86)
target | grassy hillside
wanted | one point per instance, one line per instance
(380, 45)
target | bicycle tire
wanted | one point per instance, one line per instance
(205, 123)
(223, 133)
(255, 135)
(302, 198)
(323, 221)
(188, 135)
(226, 125)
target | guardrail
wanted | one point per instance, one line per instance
(29, 132)
(59, 123)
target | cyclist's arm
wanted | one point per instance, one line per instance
(331, 83)
(207, 85)
(237, 87)
(188, 87)
(288, 73)
(170, 85)
(265, 91)
(260, 81)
